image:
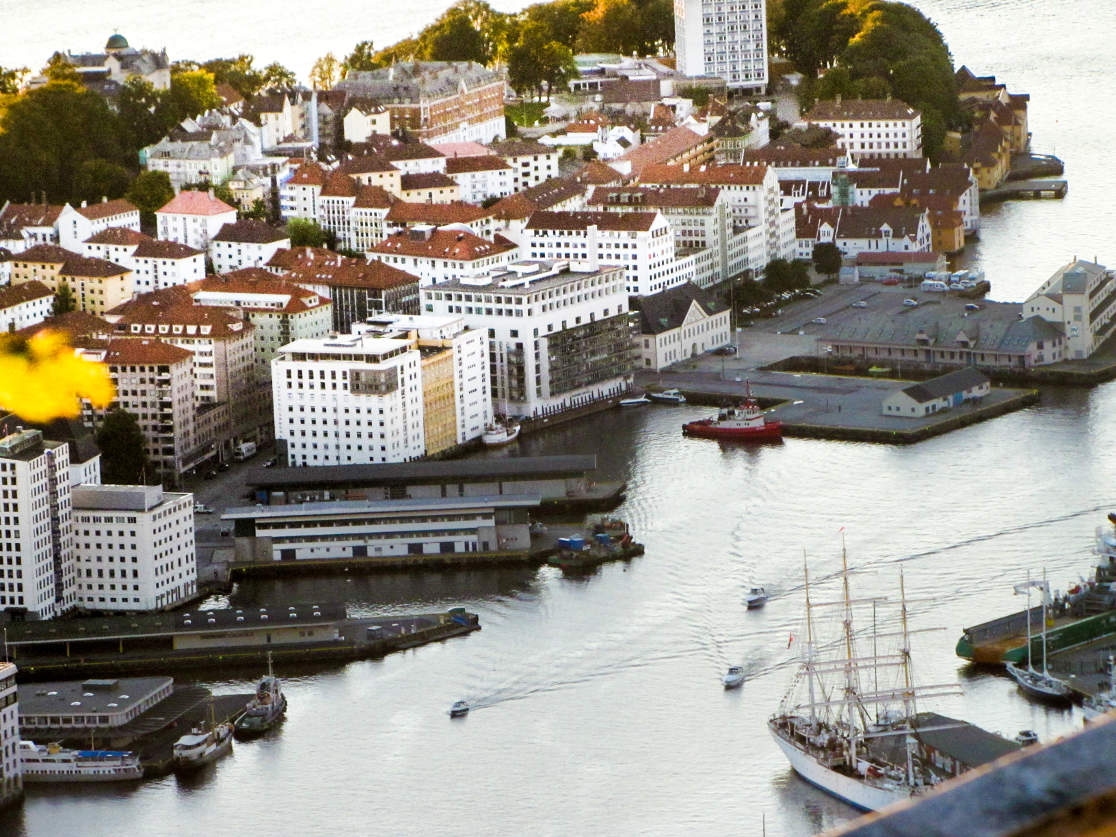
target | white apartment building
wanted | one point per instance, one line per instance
(641, 242)
(135, 547)
(678, 324)
(700, 219)
(872, 127)
(37, 543)
(442, 254)
(347, 400)
(722, 38)
(154, 264)
(531, 162)
(11, 770)
(861, 229)
(23, 305)
(457, 392)
(245, 243)
(480, 176)
(280, 311)
(193, 218)
(210, 161)
(559, 333)
(298, 194)
(752, 193)
(1081, 298)
(75, 225)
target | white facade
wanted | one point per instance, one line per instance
(1081, 298)
(871, 127)
(723, 38)
(191, 162)
(558, 335)
(442, 255)
(348, 400)
(642, 243)
(196, 222)
(37, 550)
(234, 255)
(154, 264)
(476, 183)
(76, 225)
(23, 305)
(697, 333)
(135, 547)
(11, 771)
(359, 125)
(531, 163)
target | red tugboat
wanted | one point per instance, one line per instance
(746, 422)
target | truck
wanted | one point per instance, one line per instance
(245, 450)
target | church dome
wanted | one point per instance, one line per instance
(116, 41)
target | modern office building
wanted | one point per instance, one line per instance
(723, 38)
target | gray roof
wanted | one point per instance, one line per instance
(417, 80)
(1073, 278)
(342, 508)
(969, 744)
(92, 696)
(413, 473)
(667, 309)
(945, 385)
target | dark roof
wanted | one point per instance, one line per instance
(24, 292)
(965, 742)
(945, 385)
(252, 231)
(667, 309)
(413, 473)
(78, 437)
(426, 180)
(828, 110)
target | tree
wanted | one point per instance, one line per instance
(278, 77)
(58, 68)
(47, 134)
(325, 72)
(362, 58)
(193, 93)
(610, 26)
(453, 37)
(237, 72)
(11, 80)
(142, 113)
(123, 449)
(698, 95)
(150, 191)
(259, 210)
(97, 179)
(656, 25)
(64, 301)
(305, 233)
(827, 259)
(780, 276)
(560, 19)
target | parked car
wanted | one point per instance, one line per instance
(910, 303)
(270, 463)
(818, 320)
(860, 303)
(224, 466)
(890, 280)
(202, 508)
(972, 306)
(725, 350)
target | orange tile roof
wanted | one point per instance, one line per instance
(73, 324)
(107, 209)
(730, 175)
(125, 351)
(189, 202)
(454, 245)
(833, 110)
(256, 280)
(309, 173)
(437, 214)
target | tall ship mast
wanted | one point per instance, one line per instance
(851, 738)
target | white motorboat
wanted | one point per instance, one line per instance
(1038, 684)
(500, 432)
(201, 747)
(459, 709)
(733, 677)
(53, 763)
(757, 597)
(637, 401)
(668, 396)
(1026, 738)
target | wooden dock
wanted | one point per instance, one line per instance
(1031, 189)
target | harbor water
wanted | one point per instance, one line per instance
(597, 702)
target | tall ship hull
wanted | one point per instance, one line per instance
(850, 789)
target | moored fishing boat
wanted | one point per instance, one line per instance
(635, 401)
(500, 432)
(52, 763)
(746, 422)
(265, 709)
(201, 747)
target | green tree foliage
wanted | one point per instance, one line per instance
(363, 57)
(237, 72)
(698, 95)
(780, 276)
(97, 179)
(64, 301)
(193, 93)
(827, 258)
(535, 59)
(59, 69)
(142, 112)
(259, 210)
(277, 77)
(46, 135)
(656, 25)
(325, 72)
(611, 26)
(305, 233)
(220, 191)
(123, 450)
(11, 80)
(561, 18)
(150, 191)
(454, 37)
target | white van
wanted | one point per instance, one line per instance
(245, 450)
(933, 285)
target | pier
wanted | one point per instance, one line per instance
(1026, 189)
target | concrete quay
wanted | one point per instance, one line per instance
(1084, 666)
(1026, 189)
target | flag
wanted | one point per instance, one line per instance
(790, 639)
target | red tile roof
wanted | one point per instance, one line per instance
(24, 292)
(426, 180)
(174, 306)
(256, 280)
(437, 214)
(107, 209)
(72, 264)
(309, 173)
(663, 149)
(251, 231)
(189, 202)
(654, 196)
(154, 249)
(145, 352)
(461, 165)
(15, 216)
(730, 175)
(73, 324)
(366, 164)
(455, 245)
(373, 197)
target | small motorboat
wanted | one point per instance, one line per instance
(733, 677)
(635, 402)
(668, 396)
(757, 597)
(459, 709)
(1027, 737)
(500, 432)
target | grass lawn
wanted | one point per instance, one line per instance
(525, 113)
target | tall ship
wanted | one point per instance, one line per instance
(851, 734)
(52, 763)
(1086, 611)
(265, 709)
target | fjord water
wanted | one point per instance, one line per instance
(598, 703)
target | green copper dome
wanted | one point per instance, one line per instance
(116, 41)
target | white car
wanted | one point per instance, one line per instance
(860, 303)
(910, 303)
(202, 508)
(819, 320)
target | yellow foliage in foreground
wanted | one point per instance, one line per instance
(42, 379)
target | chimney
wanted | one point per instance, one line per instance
(83, 204)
